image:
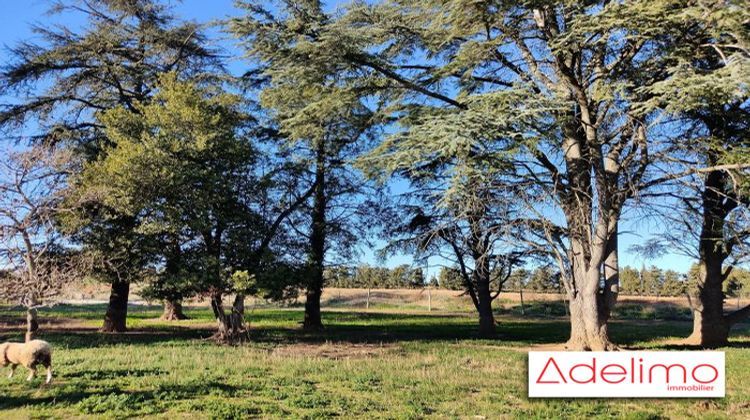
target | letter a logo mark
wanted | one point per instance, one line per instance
(559, 372)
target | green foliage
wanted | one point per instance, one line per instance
(243, 282)
(112, 58)
(672, 284)
(738, 283)
(322, 121)
(451, 279)
(652, 281)
(544, 279)
(710, 67)
(630, 281)
(518, 279)
(109, 403)
(365, 276)
(65, 75)
(180, 170)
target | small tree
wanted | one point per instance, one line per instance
(38, 267)
(416, 279)
(737, 285)
(672, 285)
(184, 169)
(630, 281)
(181, 172)
(452, 213)
(651, 279)
(450, 278)
(68, 74)
(544, 279)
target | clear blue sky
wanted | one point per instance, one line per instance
(17, 15)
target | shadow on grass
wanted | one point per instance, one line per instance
(415, 328)
(122, 403)
(113, 373)
(281, 327)
(737, 344)
(630, 310)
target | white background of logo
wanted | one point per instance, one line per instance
(631, 386)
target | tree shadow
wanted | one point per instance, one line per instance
(92, 338)
(734, 344)
(281, 327)
(102, 374)
(114, 401)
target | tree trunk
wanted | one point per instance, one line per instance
(484, 301)
(588, 316)
(588, 331)
(173, 305)
(312, 319)
(173, 311)
(710, 326)
(486, 321)
(590, 238)
(117, 311)
(611, 288)
(231, 328)
(709, 331)
(32, 324)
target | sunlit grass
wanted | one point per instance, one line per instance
(364, 364)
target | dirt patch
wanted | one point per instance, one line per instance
(335, 350)
(11, 324)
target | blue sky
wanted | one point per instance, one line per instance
(17, 16)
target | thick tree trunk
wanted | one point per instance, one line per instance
(709, 330)
(32, 324)
(484, 308)
(710, 325)
(313, 319)
(588, 329)
(590, 306)
(231, 328)
(173, 305)
(590, 238)
(117, 311)
(173, 311)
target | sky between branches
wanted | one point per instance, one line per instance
(16, 16)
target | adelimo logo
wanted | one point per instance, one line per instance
(666, 374)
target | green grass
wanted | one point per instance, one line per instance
(364, 364)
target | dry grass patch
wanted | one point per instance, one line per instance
(335, 351)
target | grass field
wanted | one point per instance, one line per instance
(384, 363)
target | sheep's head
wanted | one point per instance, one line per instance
(3, 358)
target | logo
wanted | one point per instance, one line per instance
(662, 374)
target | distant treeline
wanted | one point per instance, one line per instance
(365, 276)
(647, 281)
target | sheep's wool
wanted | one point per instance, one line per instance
(30, 355)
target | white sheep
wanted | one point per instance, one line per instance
(30, 355)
